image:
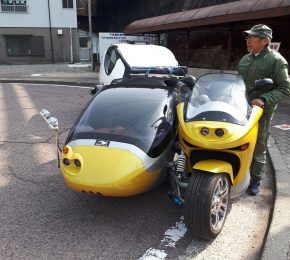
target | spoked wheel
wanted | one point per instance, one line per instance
(207, 201)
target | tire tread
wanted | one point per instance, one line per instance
(197, 204)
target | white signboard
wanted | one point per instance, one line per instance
(275, 46)
(107, 39)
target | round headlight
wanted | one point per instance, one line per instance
(77, 163)
(204, 131)
(219, 132)
(66, 161)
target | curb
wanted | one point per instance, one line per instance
(278, 237)
(58, 82)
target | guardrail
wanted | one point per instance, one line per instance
(16, 8)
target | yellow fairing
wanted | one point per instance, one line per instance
(215, 166)
(106, 171)
(235, 136)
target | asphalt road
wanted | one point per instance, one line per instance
(43, 219)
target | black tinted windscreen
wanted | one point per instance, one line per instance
(137, 116)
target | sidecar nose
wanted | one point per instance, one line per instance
(105, 170)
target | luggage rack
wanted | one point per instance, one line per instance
(164, 72)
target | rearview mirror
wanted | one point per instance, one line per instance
(50, 120)
(45, 113)
(264, 84)
(189, 80)
(53, 123)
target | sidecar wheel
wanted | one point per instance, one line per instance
(207, 201)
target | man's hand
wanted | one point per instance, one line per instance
(258, 102)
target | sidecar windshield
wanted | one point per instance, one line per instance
(218, 97)
(140, 116)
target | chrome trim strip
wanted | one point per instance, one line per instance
(83, 142)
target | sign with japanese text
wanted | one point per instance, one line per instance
(275, 46)
(107, 39)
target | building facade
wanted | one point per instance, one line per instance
(38, 31)
(208, 34)
(115, 15)
(202, 34)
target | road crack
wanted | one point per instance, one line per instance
(20, 178)
(17, 142)
(48, 140)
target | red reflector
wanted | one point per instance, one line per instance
(65, 150)
(244, 147)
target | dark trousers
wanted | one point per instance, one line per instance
(258, 165)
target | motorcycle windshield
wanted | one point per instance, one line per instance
(143, 117)
(218, 97)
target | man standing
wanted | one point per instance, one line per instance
(262, 62)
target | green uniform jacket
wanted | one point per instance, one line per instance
(267, 64)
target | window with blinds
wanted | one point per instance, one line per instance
(24, 45)
(67, 4)
(14, 6)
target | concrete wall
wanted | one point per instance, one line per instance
(60, 45)
(38, 15)
(36, 22)
(62, 17)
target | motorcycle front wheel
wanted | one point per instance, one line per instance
(207, 201)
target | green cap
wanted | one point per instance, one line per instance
(260, 30)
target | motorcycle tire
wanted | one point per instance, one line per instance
(207, 201)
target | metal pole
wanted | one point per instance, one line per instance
(229, 49)
(90, 33)
(71, 45)
(50, 32)
(187, 48)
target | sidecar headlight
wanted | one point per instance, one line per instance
(77, 163)
(219, 132)
(204, 131)
(66, 161)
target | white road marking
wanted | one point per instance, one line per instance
(53, 85)
(79, 65)
(153, 254)
(171, 236)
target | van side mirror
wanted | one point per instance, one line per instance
(264, 84)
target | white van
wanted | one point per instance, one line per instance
(121, 59)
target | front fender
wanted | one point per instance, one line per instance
(215, 166)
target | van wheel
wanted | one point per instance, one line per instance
(207, 201)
